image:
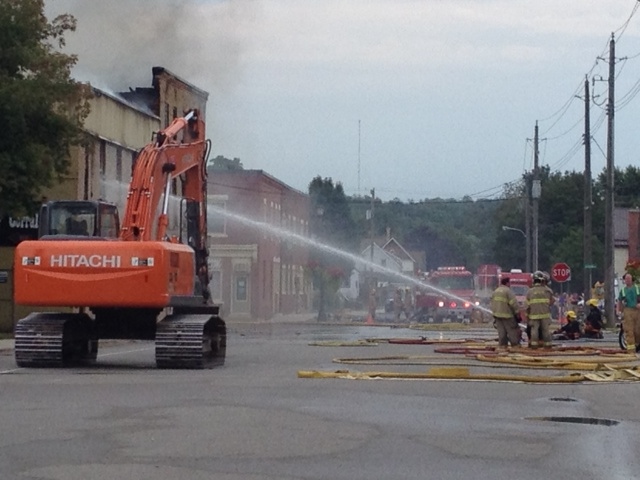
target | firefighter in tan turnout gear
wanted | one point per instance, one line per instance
(538, 307)
(504, 307)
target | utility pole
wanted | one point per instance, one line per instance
(609, 269)
(373, 199)
(535, 194)
(587, 258)
(527, 222)
(358, 157)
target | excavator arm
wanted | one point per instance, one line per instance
(158, 164)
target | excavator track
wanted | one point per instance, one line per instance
(54, 340)
(191, 341)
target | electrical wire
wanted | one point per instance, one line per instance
(624, 26)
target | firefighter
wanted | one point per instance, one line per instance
(397, 304)
(408, 303)
(593, 322)
(628, 304)
(571, 329)
(538, 307)
(504, 308)
(373, 303)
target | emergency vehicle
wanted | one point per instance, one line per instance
(520, 283)
(448, 295)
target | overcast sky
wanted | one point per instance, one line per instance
(417, 99)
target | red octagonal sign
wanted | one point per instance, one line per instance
(561, 272)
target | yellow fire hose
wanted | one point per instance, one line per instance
(587, 363)
(461, 373)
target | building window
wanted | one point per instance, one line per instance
(215, 285)
(217, 221)
(119, 164)
(134, 157)
(103, 159)
(241, 289)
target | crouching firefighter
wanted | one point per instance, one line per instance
(538, 308)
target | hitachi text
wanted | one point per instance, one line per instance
(92, 261)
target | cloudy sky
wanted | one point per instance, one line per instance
(415, 98)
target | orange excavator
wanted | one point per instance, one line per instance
(137, 281)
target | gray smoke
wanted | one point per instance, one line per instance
(119, 41)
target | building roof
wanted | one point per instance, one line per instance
(160, 70)
(394, 247)
(117, 97)
(248, 173)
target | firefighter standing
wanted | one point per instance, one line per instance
(538, 305)
(629, 304)
(373, 303)
(408, 303)
(397, 304)
(504, 307)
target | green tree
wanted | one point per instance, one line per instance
(223, 163)
(330, 224)
(41, 107)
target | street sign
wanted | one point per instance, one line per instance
(590, 266)
(561, 272)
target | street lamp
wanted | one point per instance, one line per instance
(505, 228)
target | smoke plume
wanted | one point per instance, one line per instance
(119, 41)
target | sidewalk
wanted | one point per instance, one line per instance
(6, 344)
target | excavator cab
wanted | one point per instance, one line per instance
(78, 218)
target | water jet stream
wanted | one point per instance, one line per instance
(115, 192)
(295, 237)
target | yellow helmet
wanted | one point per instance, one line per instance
(571, 315)
(593, 302)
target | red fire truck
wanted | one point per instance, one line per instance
(520, 283)
(448, 295)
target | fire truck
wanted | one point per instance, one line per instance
(520, 283)
(487, 280)
(448, 295)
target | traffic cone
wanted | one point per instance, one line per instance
(369, 320)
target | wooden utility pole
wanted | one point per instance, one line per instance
(535, 194)
(373, 282)
(587, 258)
(609, 268)
(527, 222)
(373, 200)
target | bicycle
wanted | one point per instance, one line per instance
(622, 341)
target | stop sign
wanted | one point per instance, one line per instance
(561, 272)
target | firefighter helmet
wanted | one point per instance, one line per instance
(593, 302)
(538, 276)
(571, 315)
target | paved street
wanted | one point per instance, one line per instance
(255, 419)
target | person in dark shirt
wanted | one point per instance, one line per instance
(593, 323)
(571, 329)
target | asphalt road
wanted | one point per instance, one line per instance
(254, 419)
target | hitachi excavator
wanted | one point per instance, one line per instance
(137, 281)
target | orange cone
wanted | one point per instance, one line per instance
(369, 320)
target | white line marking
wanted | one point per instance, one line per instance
(125, 352)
